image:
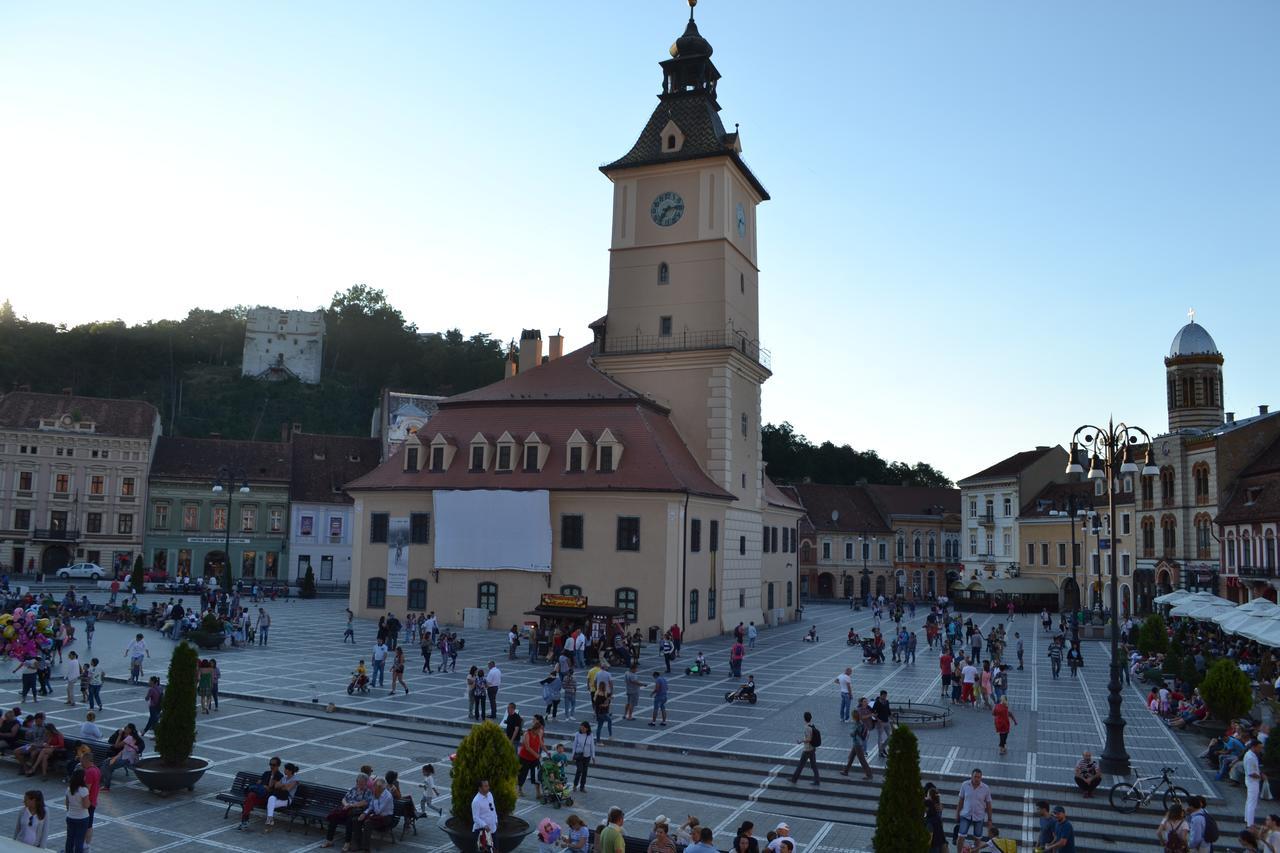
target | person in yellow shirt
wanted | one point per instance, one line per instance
(591, 679)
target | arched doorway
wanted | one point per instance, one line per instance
(215, 565)
(1070, 595)
(865, 586)
(1125, 604)
(1164, 582)
(54, 558)
(900, 583)
(826, 585)
(848, 586)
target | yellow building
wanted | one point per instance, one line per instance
(630, 470)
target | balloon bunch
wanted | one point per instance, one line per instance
(24, 634)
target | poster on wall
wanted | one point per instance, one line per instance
(398, 556)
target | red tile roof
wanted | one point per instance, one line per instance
(1013, 465)
(1255, 496)
(1055, 496)
(915, 500)
(323, 464)
(201, 458)
(853, 509)
(572, 377)
(125, 418)
(781, 497)
(654, 458)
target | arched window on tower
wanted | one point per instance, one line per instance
(664, 273)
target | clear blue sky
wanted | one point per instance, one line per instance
(988, 221)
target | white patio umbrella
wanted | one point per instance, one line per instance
(1172, 598)
(1264, 631)
(1232, 620)
(1202, 606)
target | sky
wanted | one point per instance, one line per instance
(988, 219)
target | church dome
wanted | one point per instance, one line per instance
(1192, 339)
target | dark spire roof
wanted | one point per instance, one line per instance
(688, 99)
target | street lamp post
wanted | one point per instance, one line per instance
(227, 477)
(866, 544)
(1107, 448)
(1075, 510)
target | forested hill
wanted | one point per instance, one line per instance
(791, 458)
(190, 369)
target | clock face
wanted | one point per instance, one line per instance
(742, 220)
(667, 209)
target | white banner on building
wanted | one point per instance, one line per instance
(398, 556)
(493, 529)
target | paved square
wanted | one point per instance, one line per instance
(724, 763)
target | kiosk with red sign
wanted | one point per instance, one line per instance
(567, 613)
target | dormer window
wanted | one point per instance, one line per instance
(504, 457)
(437, 459)
(531, 458)
(672, 138)
(579, 449)
(535, 453)
(411, 459)
(671, 142)
(442, 450)
(608, 452)
(477, 457)
(664, 273)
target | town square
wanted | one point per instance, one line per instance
(673, 428)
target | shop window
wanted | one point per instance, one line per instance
(376, 596)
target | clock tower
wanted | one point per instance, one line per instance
(683, 321)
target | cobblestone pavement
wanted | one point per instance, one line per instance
(740, 755)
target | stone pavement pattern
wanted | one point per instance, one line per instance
(738, 757)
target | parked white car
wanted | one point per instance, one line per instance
(81, 570)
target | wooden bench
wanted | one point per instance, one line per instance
(239, 790)
(312, 804)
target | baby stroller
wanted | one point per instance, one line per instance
(555, 791)
(871, 654)
(359, 682)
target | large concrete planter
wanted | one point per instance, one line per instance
(511, 832)
(163, 779)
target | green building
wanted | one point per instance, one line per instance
(218, 508)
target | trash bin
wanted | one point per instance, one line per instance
(653, 633)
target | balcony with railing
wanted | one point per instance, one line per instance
(686, 342)
(1257, 571)
(55, 534)
(986, 519)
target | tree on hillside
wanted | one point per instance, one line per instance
(791, 458)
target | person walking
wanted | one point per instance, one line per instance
(810, 742)
(1173, 831)
(1055, 659)
(492, 681)
(380, 652)
(427, 647)
(154, 697)
(911, 648)
(752, 633)
(884, 723)
(513, 642)
(860, 732)
(264, 625)
(844, 682)
(668, 650)
(584, 752)
(350, 633)
(135, 652)
(631, 680)
(736, 653)
(944, 664)
(95, 684)
(601, 702)
(552, 687)
(973, 806)
(397, 672)
(1253, 779)
(1002, 715)
(530, 751)
(1018, 638)
(659, 700)
(77, 804)
(569, 687)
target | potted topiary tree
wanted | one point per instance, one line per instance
(210, 634)
(898, 825)
(307, 586)
(1227, 692)
(485, 753)
(137, 580)
(175, 768)
(1153, 637)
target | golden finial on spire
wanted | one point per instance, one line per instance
(692, 3)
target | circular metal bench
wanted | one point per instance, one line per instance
(918, 714)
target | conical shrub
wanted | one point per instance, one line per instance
(485, 753)
(900, 817)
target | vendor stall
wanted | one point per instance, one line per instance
(558, 616)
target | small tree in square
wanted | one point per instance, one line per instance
(138, 578)
(1226, 690)
(1153, 638)
(900, 818)
(485, 753)
(307, 587)
(176, 731)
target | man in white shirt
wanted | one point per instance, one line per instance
(845, 682)
(968, 675)
(1253, 778)
(492, 681)
(379, 663)
(973, 807)
(136, 651)
(784, 832)
(512, 640)
(484, 814)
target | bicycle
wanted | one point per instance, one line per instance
(1128, 797)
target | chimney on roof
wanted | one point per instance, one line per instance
(511, 362)
(557, 345)
(530, 349)
(66, 392)
(1231, 417)
(297, 427)
(1042, 447)
(1263, 409)
(284, 430)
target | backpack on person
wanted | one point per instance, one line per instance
(815, 739)
(1173, 841)
(1210, 827)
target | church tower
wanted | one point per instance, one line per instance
(1193, 371)
(683, 321)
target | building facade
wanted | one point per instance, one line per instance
(629, 470)
(73, 474)
(240, 531)
(991, 500)
(321, 513)
(283, 344)
(1249, 525)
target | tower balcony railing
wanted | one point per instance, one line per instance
(686, 342)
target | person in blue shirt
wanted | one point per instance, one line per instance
(659, 698)
(1064, 834)
(703, 844)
